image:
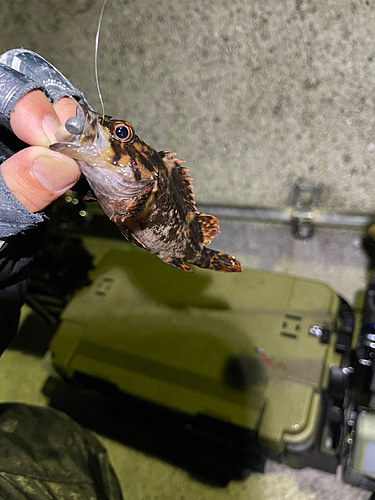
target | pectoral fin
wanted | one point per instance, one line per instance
(208, 225)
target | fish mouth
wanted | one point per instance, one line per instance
(90, 146)
(112, 185)
(84, 138)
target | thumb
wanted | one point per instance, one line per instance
(37, 176)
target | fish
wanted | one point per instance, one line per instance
(147, 194)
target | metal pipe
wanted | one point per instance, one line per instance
(288, 215)
(353, 220)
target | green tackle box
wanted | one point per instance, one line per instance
(259, 352)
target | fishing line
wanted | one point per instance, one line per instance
(96, 55)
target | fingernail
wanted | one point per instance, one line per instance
(50, 126)
(54, 175)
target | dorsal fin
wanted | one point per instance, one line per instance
(209, 226)
(181, 180)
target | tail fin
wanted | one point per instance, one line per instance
(217, 261)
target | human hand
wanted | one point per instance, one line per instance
(36, 175)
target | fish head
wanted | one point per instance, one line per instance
(114, 160)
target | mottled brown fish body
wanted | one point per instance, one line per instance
(145, 193)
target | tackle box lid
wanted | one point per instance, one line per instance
(231, 346)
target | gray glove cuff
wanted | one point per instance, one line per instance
(14, 217)
(13, 86)
(23, 70)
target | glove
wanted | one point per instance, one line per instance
(21, 71)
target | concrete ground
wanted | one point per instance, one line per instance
(23, 376)
(254, 96)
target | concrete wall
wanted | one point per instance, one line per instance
(252, 94)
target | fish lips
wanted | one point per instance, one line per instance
(88, 148)
(78, 151)
(83, 138)
(113, 185)
(103, 181)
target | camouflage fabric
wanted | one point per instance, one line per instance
(45, 455)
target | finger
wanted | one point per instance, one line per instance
(34, 119)
(65, 108)
(37, 176)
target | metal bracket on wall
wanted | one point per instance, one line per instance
(302, 214)
(305, 198)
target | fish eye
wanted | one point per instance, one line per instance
(123, 132)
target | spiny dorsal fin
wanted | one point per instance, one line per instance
(209, 226)
(181, 180)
